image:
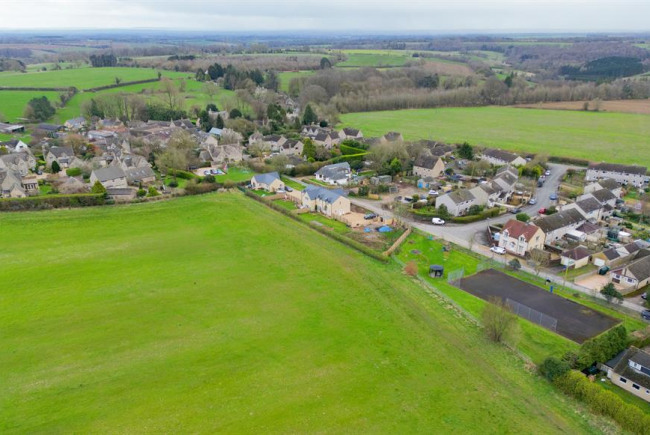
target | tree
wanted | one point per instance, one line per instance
(118, 80)
(211, 107)
(539, 259)
(411, 268)
(493, 90)
(210, 89)
(309, 117)
(235, 113)
(522, 217)
(325, 63)
(171, 159)
(514, 264)
(395, 166)
(55, 167)
(272, 81)
(200, 75)
(152, 191)
(98, 188)
(218, 122)
(39, 109)
(75, 141)
(443, 212)
(309, 149)
(206, 122)
(466, 151)
(610, 292)
(171, 93)
(499, 322)
(553, 368)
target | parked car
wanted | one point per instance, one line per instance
(515, 210)
(498, 250)
(437, 221)
(645, 314)
(540, 183)
(603, 270)
(288, 189)
(547, 173)
(206, 172)
(644, 295)
(214, 171)
(542, 211)
(532, 201)
(553, 197)
(433, 192)
(369, 216)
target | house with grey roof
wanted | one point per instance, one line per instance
(75, 124)
(622, 174)
(350, 133)
(500, 157)
(633, 275)
(20, 163)
(292, 147)
(605, 183)
(271, 182)
(457, 202)
(555, 226)
(338, 173)
(140, 175)
(428, 165)
(109, 177)
(589, 206)
(391, 136)
(10, 185)
(64, 156)
(630, 370)
(331, 203)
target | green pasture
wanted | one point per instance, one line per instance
(12, 103)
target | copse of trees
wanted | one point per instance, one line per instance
(103, 60)
(39, 109)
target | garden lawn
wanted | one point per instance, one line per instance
(293, 184)
(214, 313)
(236, 175)
(288, 205)
(612, 137)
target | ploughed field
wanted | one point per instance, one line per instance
(215, 313)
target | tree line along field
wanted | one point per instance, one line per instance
(595, 136)
(82, 78)
(214, 313)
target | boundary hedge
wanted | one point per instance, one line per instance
(121, 84)
(339, 238)
(53, 201)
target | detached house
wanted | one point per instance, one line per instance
(457, 202)
(20, 163)
(555, 226)
(630, 370)
(75, 123)
(350, 133)
(634, 275)
(10, 185)
(271, 182)
(338, 173)
(520, 238)
(110, 177)
(331, 203)
(428, 166)
(220, 154)
(292, 147)
(64, 156)
(500, 158)
(623, 174)
(137, 175)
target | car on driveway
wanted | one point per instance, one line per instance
(437, 221)
(206, 172)
(532, 201)
(498, 250)
(645, 314)
(542, 211)
(553, 197)
(547, 173)
(370, 216)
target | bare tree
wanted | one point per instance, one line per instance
(538, 259)
(499, 322)
(171, 93)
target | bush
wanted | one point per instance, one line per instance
(173, 183)
(73, 172)
(209, 179)
(152, 191)
(185, 175)
(552, 368)
(568, 160)
(514, 264)
(523, 217)
(411, 268)
(98, 188)
(141, 193)
(52, 201)
(601, 348)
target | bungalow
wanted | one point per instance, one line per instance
(292, 147)
(110, 177)
(338, 173)
(350, 133)
(457, 202)
(500, 158)
(137, 175)
(331, 203)
(428, 166)
(606, 183)
(10, 185)
(271, 182)
(634, 275)
(630, 370)
(520, 238)
(575, 258)
(64, 156)
(555, 226)
(623, 174)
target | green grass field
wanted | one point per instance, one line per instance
(286, 77)
(82, 78)
(12, 103)
(374, 58)
(214, 313)
(612, 137)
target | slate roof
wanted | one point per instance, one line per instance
(615, 167)
(109, 173)
(426, 161)
(392, 136)
(267, 178)
(609, 183)
(61, 151)
(603, 195)
(336, 171)
(504, 156)
(631, 247)
(461, 195)
(623, 368)
(611, 253)
(577, 253)
(589, 205)
(517, 228)
(640, 269)
(351, 131)
(588, 228)
(560, 220)
(327, 195)
(139, 174)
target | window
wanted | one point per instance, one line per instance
(636, 387)
(630, 280)
(622, 379)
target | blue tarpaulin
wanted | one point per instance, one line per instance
(385, 229)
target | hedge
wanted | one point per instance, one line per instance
(137, 82)
(338, 237)
(185, 175)
(347, 158)
(348, 150)
(52, 201)
(28, 88)
(568, 160)
(604, 402)
(601, 348)
(73, 172)
(491, 212)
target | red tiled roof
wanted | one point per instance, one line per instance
(517, 228)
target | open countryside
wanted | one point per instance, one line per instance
(616, 137)
(237, 348)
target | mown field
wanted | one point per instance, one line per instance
(214, 313)
(613, 137)
(374, 58)
(81, 78)
(12, 103)
(286, 77)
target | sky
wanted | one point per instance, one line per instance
(433, 16)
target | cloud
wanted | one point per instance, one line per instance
(335, 15)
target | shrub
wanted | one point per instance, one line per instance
(209, 179)
(499, 322)
(411, 268)
(523, 217)
(610, 292)
(152, 191)
(514, 264)
(73, 172)
(601, 348)
(141, 193)
(185, 175)
(98, 188)
(173, 183)
(553, 367)
(55, 167)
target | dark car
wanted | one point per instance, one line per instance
(370, 216)
(515, 210)
(553, 197)
(603, 270)
(540, 183)
(645, 314)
